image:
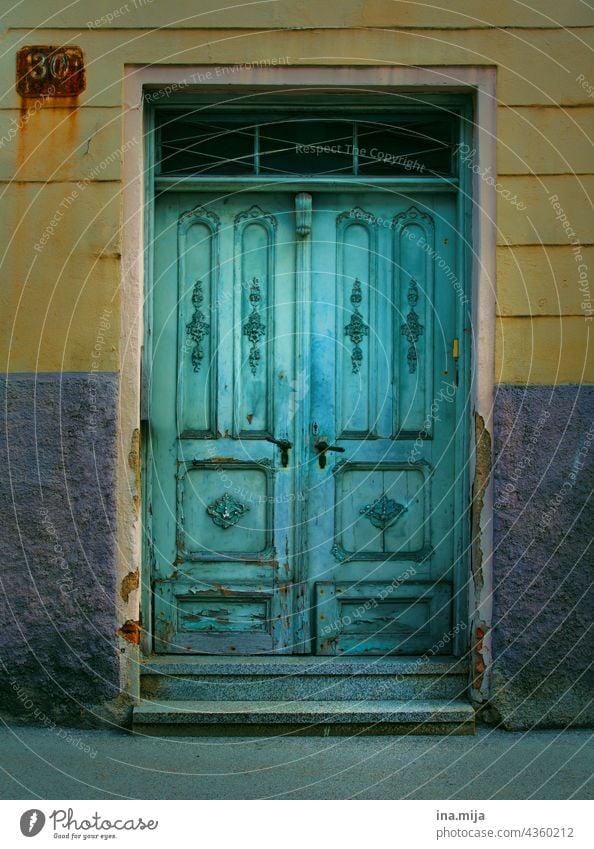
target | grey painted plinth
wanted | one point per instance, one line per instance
(543, 596)
(58, 448)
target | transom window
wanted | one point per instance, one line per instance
(197, 143)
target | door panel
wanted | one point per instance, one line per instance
(256, 550)
(222, 501)
(374, 618)
(382, 528)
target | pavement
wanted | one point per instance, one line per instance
(72, 764)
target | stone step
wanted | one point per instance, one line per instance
(298, 678)
(372, 716)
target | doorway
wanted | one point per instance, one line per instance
(304, 421)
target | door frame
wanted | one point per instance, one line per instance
(476, 219)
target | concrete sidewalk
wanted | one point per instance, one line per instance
(73, 764)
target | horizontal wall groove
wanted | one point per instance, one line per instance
(504, 316)
(541, 244)
(544, 176)
(386, 27)
(88, 105)
(585, 105)
(45, 375)
(72, 182)
(62, 106)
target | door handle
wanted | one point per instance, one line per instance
(284, 446)
(322, 447)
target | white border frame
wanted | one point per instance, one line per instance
(479, 81)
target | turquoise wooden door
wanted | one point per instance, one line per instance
(383, 532)
(302, 486)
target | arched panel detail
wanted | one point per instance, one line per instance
(356, 317)
(413, 294)
(197, 327)
(254, 330)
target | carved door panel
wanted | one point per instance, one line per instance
(222, 494)
(382, 532)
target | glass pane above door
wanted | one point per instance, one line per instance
(196, 143)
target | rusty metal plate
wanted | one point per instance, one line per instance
(45, 71)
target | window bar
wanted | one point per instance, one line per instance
(257, 148)
(355, 150)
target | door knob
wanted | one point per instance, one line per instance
(284, 446)
(322, 447)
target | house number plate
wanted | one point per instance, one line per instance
(50, 71)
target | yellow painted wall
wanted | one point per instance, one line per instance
(52, 299)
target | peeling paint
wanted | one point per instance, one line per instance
(129, 583)
(479, 664)
(480, 643)
(482, 474)
(130, 631)
(134, 463)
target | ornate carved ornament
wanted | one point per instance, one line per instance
(356, 329)
(198, 328)
(226, 511)
(412, 329)
(254, 328)
(383, 512)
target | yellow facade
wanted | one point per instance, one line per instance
(61, 263)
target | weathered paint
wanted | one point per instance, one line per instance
(130, 631)
(134, 464)
(482, 474)
(479, 665)
(129, 584)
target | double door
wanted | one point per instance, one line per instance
(303, 489)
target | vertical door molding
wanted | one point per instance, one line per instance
(303, 435)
